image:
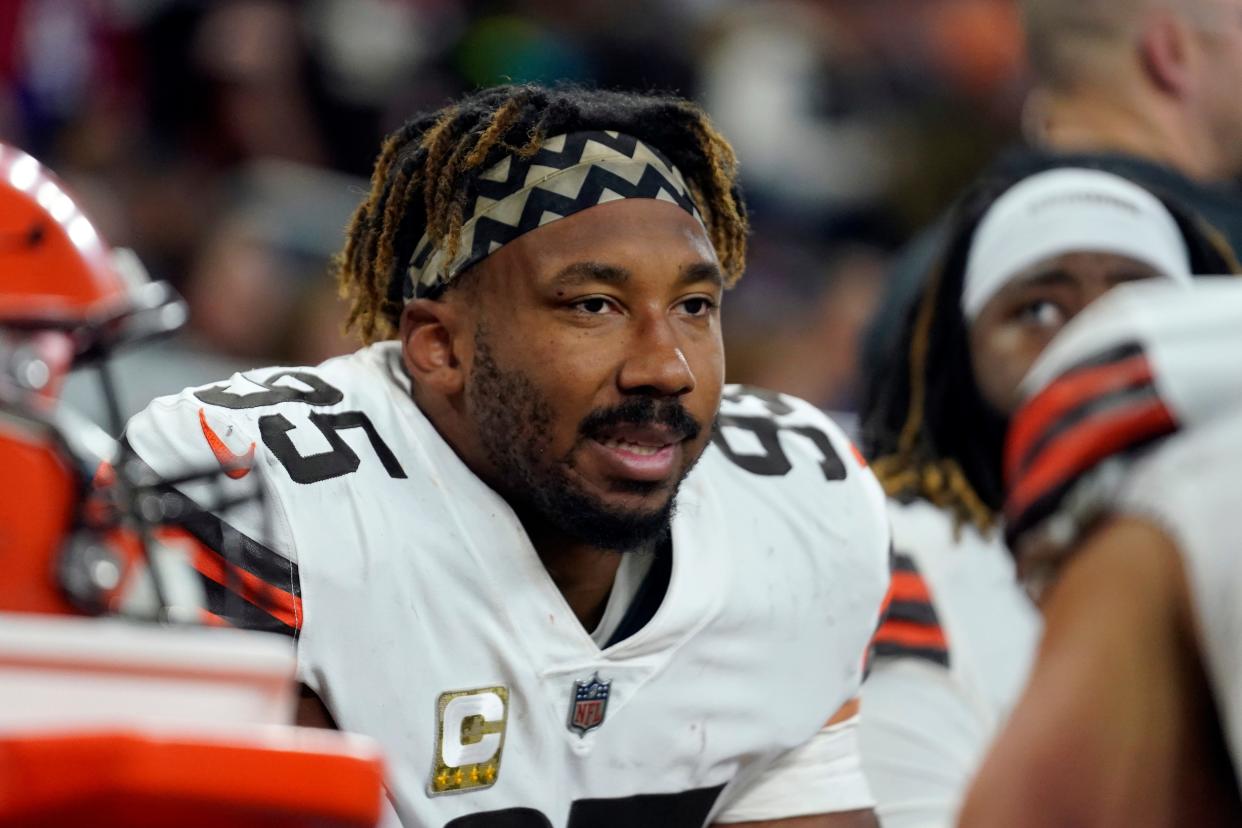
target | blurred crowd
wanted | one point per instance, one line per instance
(228, 142)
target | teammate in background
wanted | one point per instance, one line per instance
(1123, 498)
(1146, 89)
(954, 649)
(524, 542)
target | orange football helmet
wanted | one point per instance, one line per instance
(55, 266)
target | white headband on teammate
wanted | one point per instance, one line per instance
(1069, 210)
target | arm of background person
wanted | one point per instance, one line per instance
(1116, 726)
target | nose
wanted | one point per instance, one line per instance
(656, 364)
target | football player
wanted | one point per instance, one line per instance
(953, 651)
(527, 538)
(147, 719)
(1122, 466)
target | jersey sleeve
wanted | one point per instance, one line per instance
(1101, 407)
(920, 733)
(207, 463)
(768, 434)
(909, 624)
(921, 738)
(949, 658)
(881, 583)
(823, 776)
(827, 484)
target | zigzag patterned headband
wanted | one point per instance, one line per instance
(568, 174)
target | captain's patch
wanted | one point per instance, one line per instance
(470, 736)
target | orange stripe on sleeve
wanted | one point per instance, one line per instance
(1084, 446)
(1063, 396)
(908, 586)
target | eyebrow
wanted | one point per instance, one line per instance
(701, 272)
(1058, 277)
(1047, 278)
(580, 273)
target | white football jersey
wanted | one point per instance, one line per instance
(951, 656)
(425, 618)
(1138, 410)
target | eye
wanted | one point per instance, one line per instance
(698, 305)
(1042, 313)
(594, 305)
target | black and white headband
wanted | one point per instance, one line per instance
(568, 174)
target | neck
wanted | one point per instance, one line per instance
(1095, 123)
(584, 574)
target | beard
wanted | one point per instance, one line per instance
(515, 423)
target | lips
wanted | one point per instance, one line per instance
(640, 453)
(641, 442)
(632, 448)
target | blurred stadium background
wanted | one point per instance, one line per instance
(227, 142)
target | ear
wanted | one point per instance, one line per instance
(1165, 48)
(428, 345)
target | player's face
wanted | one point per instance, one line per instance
(1017, 324)
(597, 368)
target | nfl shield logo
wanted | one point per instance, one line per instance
(589, 705)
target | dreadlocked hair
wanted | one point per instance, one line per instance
(426, 169)
(924, 421)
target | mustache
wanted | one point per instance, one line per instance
(642, 411)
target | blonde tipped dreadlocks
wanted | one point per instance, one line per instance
(426, 169)
(925, 424)
(913, 469)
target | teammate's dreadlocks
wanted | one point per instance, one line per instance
(925, 424)
(423, 176)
